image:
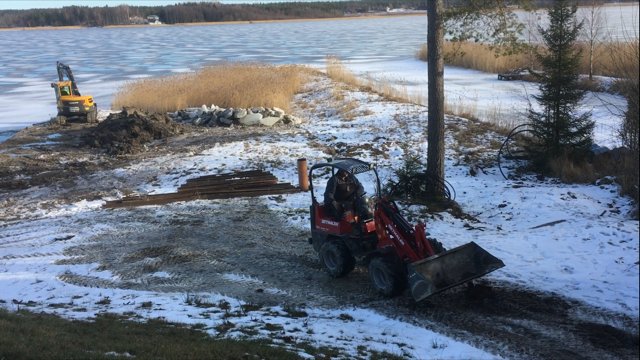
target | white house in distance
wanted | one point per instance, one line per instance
(153, 20)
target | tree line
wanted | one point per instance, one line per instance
(196, 12)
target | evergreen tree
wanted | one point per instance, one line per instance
(558, 128)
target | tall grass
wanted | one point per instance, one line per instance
(476, 56)
(337, 71)
(481, 57)
(502, 119)
(229, 85)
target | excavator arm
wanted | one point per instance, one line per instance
(65, 71)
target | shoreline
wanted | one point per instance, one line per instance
(240, 22)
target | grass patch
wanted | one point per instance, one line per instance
(146, 305)
(40, 336)
(198, 301)
(273, 327)
(237, 85)
(476, 56)
(294, 312)
(225, 327)
(104, 301)
(571, 171)
(250, 307)
(339, 73)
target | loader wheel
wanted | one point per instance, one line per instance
(336, 258)
(61, 120)
(387, 276)
(436, 245)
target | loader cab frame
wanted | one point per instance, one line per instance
(351, 166)
(359, 236)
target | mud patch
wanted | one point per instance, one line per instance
(128, 131)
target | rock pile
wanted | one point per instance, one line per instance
(217, 116)
(128, 131)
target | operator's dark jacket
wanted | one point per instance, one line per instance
(340, 196)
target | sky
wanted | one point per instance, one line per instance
(43, 4)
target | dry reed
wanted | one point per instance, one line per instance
(481, 57)
(476, 56)
(383, 87)
(228, 85)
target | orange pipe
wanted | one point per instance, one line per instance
(303, 176)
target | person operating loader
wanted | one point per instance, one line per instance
(344, 194)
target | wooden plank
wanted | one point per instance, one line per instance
(248, 173)
(265, 189)
(227, 184)
(222, 186)
(161, 200)
(229, 180)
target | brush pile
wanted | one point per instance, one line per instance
(128, 131)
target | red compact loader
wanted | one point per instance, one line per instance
(398, 254)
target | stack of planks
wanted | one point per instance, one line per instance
(224, 186)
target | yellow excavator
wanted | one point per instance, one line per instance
(71, 104)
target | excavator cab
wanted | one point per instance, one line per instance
(70, 103)
(398, 255)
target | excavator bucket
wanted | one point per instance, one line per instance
(450, 268)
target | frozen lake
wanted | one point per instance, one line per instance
(104, 58)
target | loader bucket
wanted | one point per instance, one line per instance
(450, 268)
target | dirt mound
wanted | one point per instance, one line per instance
(128, 131)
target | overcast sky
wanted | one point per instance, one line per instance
(31, 4)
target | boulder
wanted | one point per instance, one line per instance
(291, 120)
(251, 119)
(257, 110)
(270, 121)
(225, 121)
(239, 113)
(227, 113)
(277, 112)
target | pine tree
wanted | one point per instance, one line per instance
(558, 128)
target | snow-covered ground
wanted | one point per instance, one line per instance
(590, 253)
(490, 99)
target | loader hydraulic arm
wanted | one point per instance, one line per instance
(65, 71)
(395, 231)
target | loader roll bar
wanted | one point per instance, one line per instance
(350, 165)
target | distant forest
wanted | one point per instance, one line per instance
(195, 12)
(200, 12)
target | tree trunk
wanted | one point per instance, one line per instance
(435, 129)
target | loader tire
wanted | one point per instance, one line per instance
(436, 245)
(387, 276)
(61, 120)
(336, 258)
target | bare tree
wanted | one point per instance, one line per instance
(592, 29)
(624, 60)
